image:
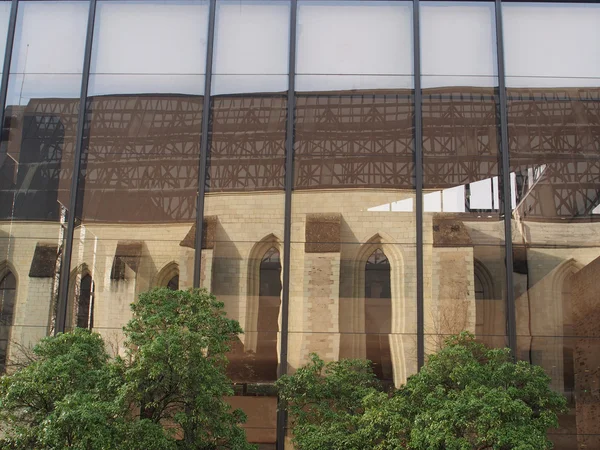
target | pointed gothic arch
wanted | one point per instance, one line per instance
(378, 313)
(489, 318)
(80, 308)
(168, 276)
(352, 319)
(255, 259)
(562, 288)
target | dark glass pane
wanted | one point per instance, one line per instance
(350, 300)
(140, 162)
(261, 411)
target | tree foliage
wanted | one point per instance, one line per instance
(166, 393)
(325, 402)
(465, 397)
(177, 342)
(68, 398)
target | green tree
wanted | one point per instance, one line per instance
(176, 367)
(67, 397)
(467, 396)
(167, 393)
(325, 403)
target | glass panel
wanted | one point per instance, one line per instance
(458, 44)
(458, 39)
(4, 19)
(555, 164)
(548, 40)
(353, 259)
(251, 47)
(36, 160)
(465, 278)
(393, 355)
(261, 410)
(128, 36)
(139, 178)
(554, 140)
(331, 34)
(247, 277)
(244, 202)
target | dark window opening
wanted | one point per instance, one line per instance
(378, 314)
(268, 315)
(85, 304)
(173, 283)
(8, 289)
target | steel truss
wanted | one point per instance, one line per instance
(140, 152)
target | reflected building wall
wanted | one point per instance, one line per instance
(353, 222)
(335, 266)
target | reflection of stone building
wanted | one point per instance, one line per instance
(353, 238)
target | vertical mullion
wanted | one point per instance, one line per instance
(65, 267)
(10, 37)
(507, 207)
(419, 183)
(204, 141)
(287, 231)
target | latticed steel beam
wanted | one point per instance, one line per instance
(147, 147)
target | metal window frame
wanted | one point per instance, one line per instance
(204, 143)
(10, 37)
(65, 267)
(418, 108)
(287, 231)
(511, 320)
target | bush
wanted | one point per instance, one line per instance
(465, 397)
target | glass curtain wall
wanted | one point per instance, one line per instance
(353, 258)
(36, 160)
(242, 252)
(553, 88)
(463, 230)
(138, 183)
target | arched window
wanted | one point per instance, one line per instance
(268, 315)
(85, 303)
(378, 313)
(8, 290)
(168, 277)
